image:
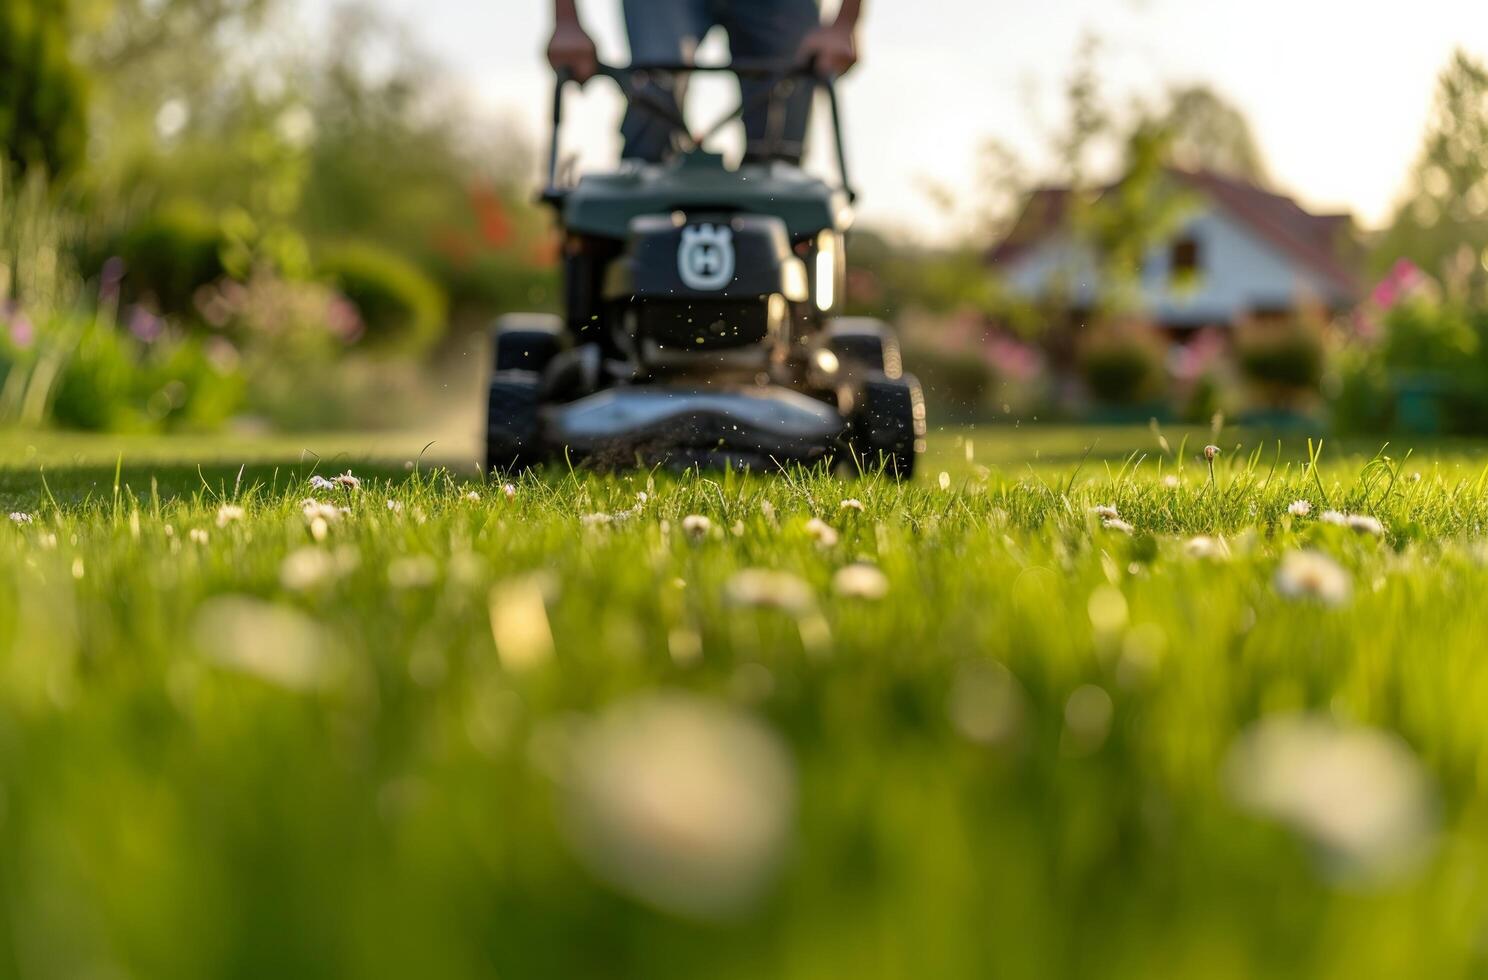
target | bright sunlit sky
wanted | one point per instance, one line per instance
(1338, 91)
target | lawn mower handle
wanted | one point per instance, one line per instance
(623, 77)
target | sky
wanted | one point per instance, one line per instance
(1338, 91)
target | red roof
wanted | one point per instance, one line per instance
(1312, 240)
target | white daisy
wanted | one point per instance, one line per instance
(696, 526)
(760, 588)
(860, 581)
(1313, 575)
(228, 514)
(1299, 508)
(824, 534)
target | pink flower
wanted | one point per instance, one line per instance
(145, 325)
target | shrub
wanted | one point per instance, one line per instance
(1284, 360)
(170, 255)
(109, 381)
(401, 308)
(955, 382)
(1423, 336)
(1122, 364)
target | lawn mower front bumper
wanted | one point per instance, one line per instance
(761, 427)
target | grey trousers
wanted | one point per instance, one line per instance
(758, 30)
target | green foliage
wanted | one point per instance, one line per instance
(1430, 337)
(1429, 371)
(1287, 358)
(956, 383)
(43, 101)
(170, 255)
(1121, 364)
(108, 381)
(1208, 132)
(400, 307)
(1360, 399)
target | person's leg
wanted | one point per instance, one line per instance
(659, 31)
(771, 30)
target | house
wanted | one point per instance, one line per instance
(1240, 253)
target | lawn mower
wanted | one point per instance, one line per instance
(699, 324)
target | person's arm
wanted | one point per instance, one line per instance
(833, 48)
(570, 48)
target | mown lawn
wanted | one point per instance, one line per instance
(647, 725)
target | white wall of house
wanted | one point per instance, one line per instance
(1238, 272)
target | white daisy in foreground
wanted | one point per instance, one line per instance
(1333, 517)
(860, 581)
(1117, 524)
(1365, 524)
(821, 532)
(1203, 546)
(1313, 575)
(696, 526)
(1299, 508)
(274, 643)
(229, 514)
(760, 588)
(1105, 512)
(851, 503)
(684, 803)
(1358, 794)
(307, 568)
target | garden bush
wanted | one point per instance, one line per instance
(401, 308)
(956, 383)
(111, 381)
(170, 255)
(1283, 361)
(1122, 364)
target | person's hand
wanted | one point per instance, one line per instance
(573, 51)
(829, 50)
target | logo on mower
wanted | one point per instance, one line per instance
(705, 259)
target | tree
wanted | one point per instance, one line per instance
(1441, 222)
(43, 112)
(1206, 132)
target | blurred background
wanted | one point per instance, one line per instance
(249, 215)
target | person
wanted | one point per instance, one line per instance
(669, 31)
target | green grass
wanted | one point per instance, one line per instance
(478, 735)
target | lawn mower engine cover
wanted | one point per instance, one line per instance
(705, 285)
